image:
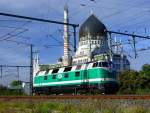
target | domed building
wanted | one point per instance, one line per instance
(93, 41)
(93, 45)
(93, 27)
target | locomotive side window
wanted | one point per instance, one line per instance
(66, 75)
(67, 69)
(53, 76)
(45, 77)
(77, 74)
(55, 70)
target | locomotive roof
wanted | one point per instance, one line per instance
(71, 65)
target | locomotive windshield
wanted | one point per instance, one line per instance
(104, 64)
(100, 64)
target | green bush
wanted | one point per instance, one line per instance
(134, 82)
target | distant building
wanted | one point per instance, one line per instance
(93, 46)
(92, 41)
(120, 62)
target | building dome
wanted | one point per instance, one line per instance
(93, 27)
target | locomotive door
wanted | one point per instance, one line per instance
(85, 75)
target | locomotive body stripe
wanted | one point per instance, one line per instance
(75, 81)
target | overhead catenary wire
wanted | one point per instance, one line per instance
(51, 36)
(20, 36)
(14, 65)
(18, 28)
(45, 20)
(60, 42)
(38, 19)
(10, 20)
(11, 27)
(62, 45)
(19, 42)
(11, 36)
(140, 15)
(29, 44)
(128, 34)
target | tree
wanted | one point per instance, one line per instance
(16, 83)
(133, 81)
(128, 81)
(145, 70)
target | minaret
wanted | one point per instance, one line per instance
(66, 57)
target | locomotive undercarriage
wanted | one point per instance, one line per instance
(103, 88)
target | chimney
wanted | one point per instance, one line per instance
(66, 57)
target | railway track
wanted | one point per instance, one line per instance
(145, 97)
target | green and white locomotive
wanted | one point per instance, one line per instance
(93, 77)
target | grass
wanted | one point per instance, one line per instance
(74, 106)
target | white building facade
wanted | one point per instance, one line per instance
(94, 45)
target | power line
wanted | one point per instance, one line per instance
(15, 29)
(12, 20)
(133, 37)
(38, 19)
(25, 37)
(11, 36)
(130, 21)
(60, 42)
(10, 27)
(18, 42)
(45, 20)
(127, 34)
(50, 35)
(14, 66)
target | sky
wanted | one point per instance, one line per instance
(47, 38)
